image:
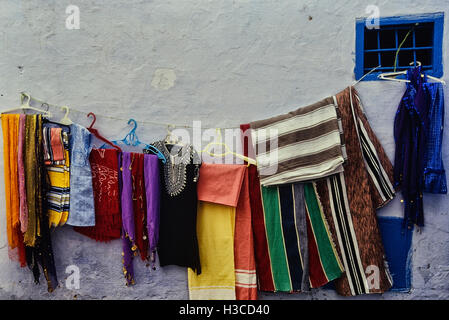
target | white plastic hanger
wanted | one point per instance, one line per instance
(171, 138)
(390, 76)
(66, 120)
(26, 106)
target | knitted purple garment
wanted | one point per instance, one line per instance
(151, 176)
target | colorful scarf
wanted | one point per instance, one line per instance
(23, 217)
(262, 256)
(281, 213)
(38, 250)
(152, 191)
(294, 247)
(139, 204)
(134, 235)
(10, 125)
(15, 209)
(224, 236)
(30, 160)
(299, 146)
(128, 233)
(105, 181)
(56, 158)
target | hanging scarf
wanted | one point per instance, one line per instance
(33, 228)
(139, 204)
(134, 235)
(410, 133)
(21, 172)
(105, 181)
(39, 251)
(58, 169)
(225, 237)
(10, 125)
(152, 195)
(15, 209)
(263, 264)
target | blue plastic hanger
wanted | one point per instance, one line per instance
(131, 139)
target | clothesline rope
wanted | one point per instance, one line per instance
(165, 124)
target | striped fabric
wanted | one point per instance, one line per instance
(350, 200)
(322, 253)
(262, 255)
(56, 151)
(299, 146)
(298, 258)
(346, 236)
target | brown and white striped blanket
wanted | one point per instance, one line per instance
(302, 145)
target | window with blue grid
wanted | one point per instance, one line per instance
(398, 43)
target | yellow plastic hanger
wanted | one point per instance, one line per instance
(227, 150)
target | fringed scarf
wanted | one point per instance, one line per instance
(105, 180)
(152, 195)
(133, 202)
(39, 251)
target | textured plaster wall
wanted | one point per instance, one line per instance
(222, 62)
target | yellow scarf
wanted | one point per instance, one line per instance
(10, 126)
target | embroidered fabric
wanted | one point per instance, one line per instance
(175, 168)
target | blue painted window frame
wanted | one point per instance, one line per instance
(437, 53)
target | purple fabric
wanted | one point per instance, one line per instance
(128, 232)
(127, 197)
(151, 175)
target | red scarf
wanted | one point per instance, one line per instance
(105, 182)
(139, 205)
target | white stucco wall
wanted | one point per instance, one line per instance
(221, 62)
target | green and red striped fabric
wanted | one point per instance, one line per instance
(298, 258)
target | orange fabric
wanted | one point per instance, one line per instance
(10, 126)
(244, 259)
(228, 185)
(221, 183)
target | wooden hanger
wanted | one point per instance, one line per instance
(227, 150)
(97, 134)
